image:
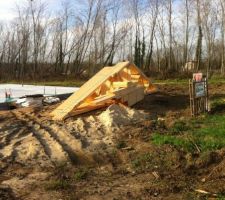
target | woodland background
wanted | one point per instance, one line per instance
(81, 37)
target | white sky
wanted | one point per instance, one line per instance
(6, 11)
(7, 7)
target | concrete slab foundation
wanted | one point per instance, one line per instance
(18, 90)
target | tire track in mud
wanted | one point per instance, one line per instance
(9, 148)
(10, 130)
(70, 144)
(13, 145)
(7, 138)
(52, 148)
(77, 134)
(10, 139)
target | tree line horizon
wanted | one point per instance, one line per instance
(81, 37)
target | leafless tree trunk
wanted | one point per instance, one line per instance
(154, 14)
(198, 53)
(186, 31)
(222, 36)
(170, 63)
(86, 35)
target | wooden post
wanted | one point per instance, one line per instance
(191, 98)
(198, 96)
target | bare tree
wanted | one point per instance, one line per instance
(170, 63)
(187, 13)
(198, 53)
(154, 9)
(222, 4)
(83, 36)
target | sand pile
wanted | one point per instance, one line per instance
(31, 141)
(118, 115)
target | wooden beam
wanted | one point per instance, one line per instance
(89, 108)
(98, 100)
(123, 84)
(135, 76)
(124, 91)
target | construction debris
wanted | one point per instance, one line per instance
(123, 83)
(50, 100)
(34, 100)
(204, 192)
(29, 100)
(156, 175)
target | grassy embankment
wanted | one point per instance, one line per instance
(78, 82)
(204, 133)
(65, 83)
(213, 80)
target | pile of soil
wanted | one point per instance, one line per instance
(120, 115)
(30, 140)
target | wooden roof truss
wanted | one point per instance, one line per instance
(123, 83)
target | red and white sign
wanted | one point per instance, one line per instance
(197, 77)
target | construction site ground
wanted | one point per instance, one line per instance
(117, 152)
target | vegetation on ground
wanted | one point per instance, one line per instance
(65, 83)
(121, 144)
(202, 134)
(80, 82)
(65, 178)
(81, 174)
(57, 185)
(184, 81)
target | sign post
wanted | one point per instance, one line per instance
(198, 88)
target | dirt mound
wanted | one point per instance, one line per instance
(33, 140)
(118, 115)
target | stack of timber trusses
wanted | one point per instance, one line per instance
(123, 83)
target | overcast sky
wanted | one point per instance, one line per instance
(7, 7)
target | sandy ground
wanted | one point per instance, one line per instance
(35, 150)
(36, 140)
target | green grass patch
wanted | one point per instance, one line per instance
(142, 160)
(206, 133)
(152, 161)
(221, 197)
(213, 80)
(121, 144)
(172, 81)
(80, 174)
(57, 185)
(217, 105)
(179, 126)
(77, 83)
(64, 83)
(175, 141)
